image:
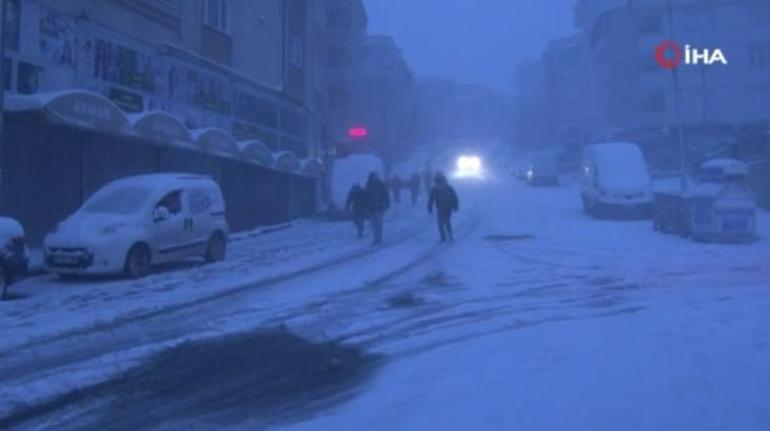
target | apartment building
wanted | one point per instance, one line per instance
(240, 65)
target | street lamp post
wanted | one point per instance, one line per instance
(677, 105)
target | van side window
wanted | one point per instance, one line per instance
(199, 200)
(172, 201)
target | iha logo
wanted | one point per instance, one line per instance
(670, 54)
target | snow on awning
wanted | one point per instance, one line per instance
(286, 161)
(160, 126)
(256, 151)
(77, 107)
(312, 167)
(216, 141)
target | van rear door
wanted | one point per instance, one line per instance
(202, 202)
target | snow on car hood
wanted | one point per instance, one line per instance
(9, 228)
(82, 228)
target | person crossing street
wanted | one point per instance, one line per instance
(378, 201)
(357, 207)
(445, 200)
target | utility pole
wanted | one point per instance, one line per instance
(2, 86)
(677, 105)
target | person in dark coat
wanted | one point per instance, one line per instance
(378, 201)
(414, 187)
(396, 184)
(356, 206)
(444, 198)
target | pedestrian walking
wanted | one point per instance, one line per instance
(414, 187)
(357, 207)
(378, 201)
(396, 184)
(444, 198)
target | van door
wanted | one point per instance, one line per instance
(200, 202)
(169, 231)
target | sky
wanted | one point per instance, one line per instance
(473, 41)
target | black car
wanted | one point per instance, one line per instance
(13, 254)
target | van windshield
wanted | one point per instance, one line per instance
(623, 168)
(124, 200)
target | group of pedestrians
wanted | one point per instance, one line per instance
(373, 200)
(413, 184)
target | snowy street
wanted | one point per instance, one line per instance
(537, 317)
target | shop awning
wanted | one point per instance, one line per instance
(160, 126)
(286, 161)
(256, 151)
(76, 107)
(215, 141)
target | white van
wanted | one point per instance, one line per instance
(133, 223)
(615, 178)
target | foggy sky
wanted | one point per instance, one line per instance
(476, 41)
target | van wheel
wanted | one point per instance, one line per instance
(216, 248)
(138, 261)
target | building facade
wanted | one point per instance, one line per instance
(244, 66)
(385, 98)
(604, 82)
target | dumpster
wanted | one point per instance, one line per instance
(724, 206)
(719, 207)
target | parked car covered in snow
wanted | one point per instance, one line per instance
(133, 223)
(615, 178)
(723, 206)
(13, 253)
(543, 169)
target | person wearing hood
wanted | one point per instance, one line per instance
(378, 201)
(357, 207)
(445, 200)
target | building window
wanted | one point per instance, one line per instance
(216, 14)
(650, 22)
(759, 57)
(297, 52)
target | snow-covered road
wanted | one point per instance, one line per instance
(537, 318)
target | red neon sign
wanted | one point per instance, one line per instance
(358, 132)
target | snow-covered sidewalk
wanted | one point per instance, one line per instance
(46, 305)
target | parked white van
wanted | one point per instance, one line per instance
(133, 223)
(615, 178)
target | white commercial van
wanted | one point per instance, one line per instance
(615, 179)
(133, 223)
